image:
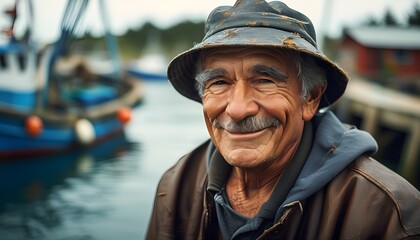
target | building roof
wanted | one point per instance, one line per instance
(386, 37)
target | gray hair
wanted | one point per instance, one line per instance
(310, 74)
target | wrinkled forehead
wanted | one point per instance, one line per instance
(272, 56)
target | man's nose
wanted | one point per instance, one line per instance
(241, 101)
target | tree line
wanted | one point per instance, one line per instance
(171, 40)
(389, 19)
(181, 36)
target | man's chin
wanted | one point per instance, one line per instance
(244, 158)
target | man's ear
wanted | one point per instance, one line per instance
(311, 102)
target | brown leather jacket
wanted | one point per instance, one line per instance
(365, 201)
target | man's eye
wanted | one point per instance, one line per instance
(217, 86)
(263, 80)
(216, 83)
(219, 82)
(265, 85)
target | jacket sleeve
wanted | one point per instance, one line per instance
(369, 201)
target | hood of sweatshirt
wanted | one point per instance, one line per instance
(335, 146)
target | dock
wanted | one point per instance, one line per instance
(378, 106)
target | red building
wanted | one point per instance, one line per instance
(388, 55)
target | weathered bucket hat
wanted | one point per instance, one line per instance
(261, 24)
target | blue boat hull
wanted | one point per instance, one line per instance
(15, 141)
(147, 76)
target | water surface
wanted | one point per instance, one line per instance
(104, 192)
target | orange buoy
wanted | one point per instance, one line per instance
(33, 125)
(124, 114)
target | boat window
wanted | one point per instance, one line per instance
(22, 61)
(402, 57)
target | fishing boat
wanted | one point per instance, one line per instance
(150, 67)
(52, 100)
(151, 64)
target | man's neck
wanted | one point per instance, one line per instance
(249, 189)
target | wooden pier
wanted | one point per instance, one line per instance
(379, 106)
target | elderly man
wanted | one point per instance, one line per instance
(279, 164)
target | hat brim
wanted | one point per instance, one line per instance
(182, 69)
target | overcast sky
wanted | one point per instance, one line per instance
(124, 14)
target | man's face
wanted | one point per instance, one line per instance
(253, 83)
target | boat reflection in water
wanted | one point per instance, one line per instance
(39, 194)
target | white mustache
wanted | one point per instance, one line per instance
(246, 125)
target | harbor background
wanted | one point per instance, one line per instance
(105, 192)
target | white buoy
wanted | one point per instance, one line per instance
(85, 132)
